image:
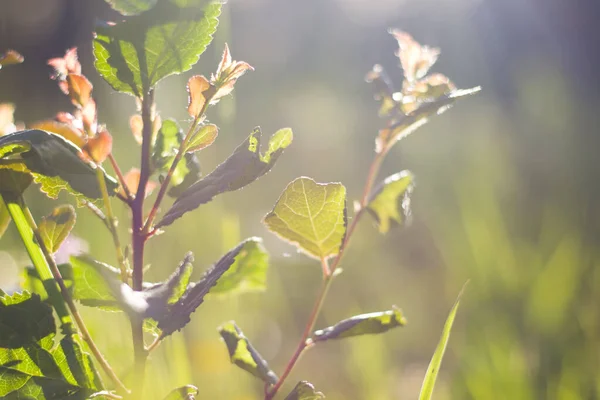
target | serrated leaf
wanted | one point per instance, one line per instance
(186, 392)
(24, 319)
(390, 201)
(55, 228)
(131, 7)
(54, 162)
(312, 216)
(178, 314)
(244, 166)
(134, 55)
(168, 140)
(436, 360)
(242, 354)
(364, 324)
(249, 271)
(304, 391)
(204, 136)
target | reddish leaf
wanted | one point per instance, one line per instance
(132, 180)
(65, 130)
(199, 92)
(80, 89)
(7, 122)
(88, 117)
(10, 57)
(227, 74)
(136, 125)
(69, 64)
(414, 58)
(99, 146)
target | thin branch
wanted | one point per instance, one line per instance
(121, 178)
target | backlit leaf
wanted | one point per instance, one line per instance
(390, 201)
(54, 162)
(183, 393)
(364, 324)
(132, 56)
(243, 354)
(304, 391)
(203, 137)
(10, 57)
(312, 216)
(249, 271)
(24, 319)
(55, 228)
(244, 166)
(131, 7)
(436, 360)
(199, 91)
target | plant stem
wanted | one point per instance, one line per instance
(328, 274)
(120, 177)
(50, 276)
(111, 223)
(139, 241)
(178, 157)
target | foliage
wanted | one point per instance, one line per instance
(156, 40)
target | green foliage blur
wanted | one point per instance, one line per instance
(506, 196)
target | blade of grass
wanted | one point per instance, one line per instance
(436, 360)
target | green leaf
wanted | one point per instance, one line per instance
(54, 162)
(244, 166)
(24, 319)
(364, 324)
(30, 363)
(85, 282)
(179, 314)
(12, 181)
(183, 393)
(242, 354)
(134, 55)
(249, 271)
(131, 7)
(436, 360)
(312, 216)
(203, 137)
(55, 228)
(168, 140)
(390, 201)
(304, 391)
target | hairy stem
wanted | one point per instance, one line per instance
(139, 240)
(111, 223)
(178, 157)
(50, 275)
(328, 274)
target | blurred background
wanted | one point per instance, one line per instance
(507, 193)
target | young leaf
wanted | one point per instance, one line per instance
(406, 124)
(390, 201)
(53, 162)
(416, 60)
(244, 166)
(203, 137)
(304, 391)
(365, 324)
(24, 319)
(134, 55)
(10, 57)
(436, 360)
(168, 141)
(186, 392)
(55, 228)
(312, 216)
(242, 354)
(178, 314)
(248, 272)
(131, 7)
(199, 91)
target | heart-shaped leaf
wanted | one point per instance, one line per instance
(311, 216)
